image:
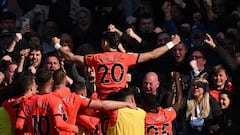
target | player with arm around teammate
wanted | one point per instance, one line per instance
(44, 112)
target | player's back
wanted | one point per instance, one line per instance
(111, 70)
(72, 103)
(160, 122)
(126, 121)
(13, 106)
(39, 112)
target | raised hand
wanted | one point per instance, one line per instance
(193, 64)
(209, 41)
(111, 28)
(18, 37)
(131, 20)
(130, 32)
(176, 39)
(175, 75)
(55, 40)
(24, 53)
(32, 69)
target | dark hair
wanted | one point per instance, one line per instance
(120, 95)
(8, 15)
(31, 35)
(58, 76)
(112, 37)
(163, 32)
(230, 95)
(85, 49)
(200, 49)
(150, 101)
(145, 15)
(81, 84)
(50, 54)
(5, 64)
(23, 83)
(17, 88)
(43, 76)
(36, 48)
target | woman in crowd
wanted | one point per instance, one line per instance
(203, 114)
(225, 102)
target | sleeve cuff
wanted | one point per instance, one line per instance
(57, 46)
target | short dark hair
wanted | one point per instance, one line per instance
(150, 101)
(58, 76)
(24, 82)
(201, 49)
(43, 76)
(8, 15)
(112, 37)
(36, 48)
(50, 54)
(4, 65)
(120, 95)
(33, 34)
(81, 84)
(146, 15)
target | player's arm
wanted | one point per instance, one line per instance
(132, 34)
(19, 125)
(64, 126)
(17, 38)
(109, 105)
(88, 122)
(57, 112)
(68, 55)
(176, 98)
(143, 57)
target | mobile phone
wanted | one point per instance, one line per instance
(26, 24)
(25, 21)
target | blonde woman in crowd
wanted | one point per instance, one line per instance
(203, 114)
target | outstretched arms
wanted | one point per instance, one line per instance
(143, 57)
(68, 55)
(110, 105)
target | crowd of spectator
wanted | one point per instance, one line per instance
(177, 59)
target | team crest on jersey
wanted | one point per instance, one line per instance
(60, 108)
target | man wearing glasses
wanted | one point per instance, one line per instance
(198, 62)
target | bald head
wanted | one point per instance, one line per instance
(151, 83)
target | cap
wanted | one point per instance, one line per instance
(5, 33)
(200, 27)
(185, 26)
